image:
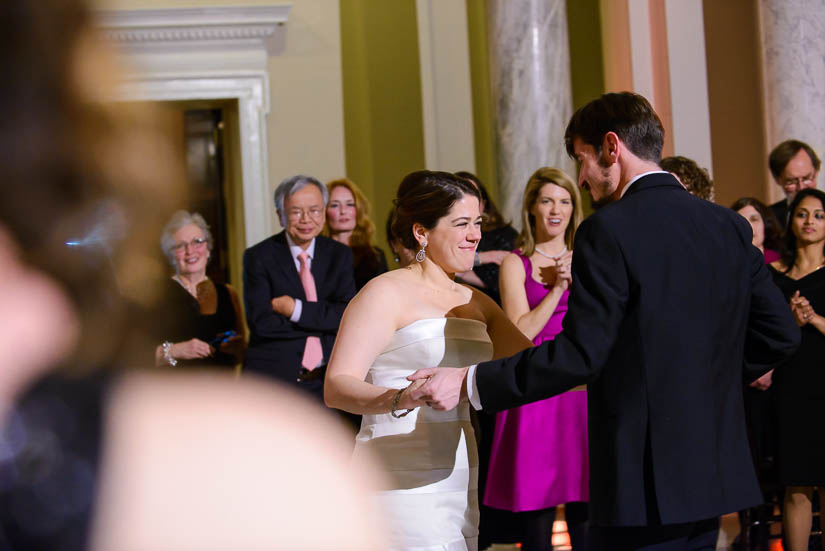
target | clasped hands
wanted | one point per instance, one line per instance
(802, 310)
(561, 274)
(440, 388)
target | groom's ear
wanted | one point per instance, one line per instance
(611, 148)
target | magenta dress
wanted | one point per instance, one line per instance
(539, 456)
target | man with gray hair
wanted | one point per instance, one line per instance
(296, 286)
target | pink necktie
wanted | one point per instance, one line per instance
(313, 353)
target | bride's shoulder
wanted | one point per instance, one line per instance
(388, 284)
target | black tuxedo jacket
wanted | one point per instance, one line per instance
(780, 210)
(276, 344)
(670, 303)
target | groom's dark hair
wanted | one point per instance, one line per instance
(424, 197)
(629, 115)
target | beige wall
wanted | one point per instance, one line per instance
(306, 121)
(736, 100)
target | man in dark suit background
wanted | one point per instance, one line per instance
(794, 166)
(292, 332)
(671, 310)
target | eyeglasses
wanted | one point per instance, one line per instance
(798, 182)
(313, 212)
(196, 243)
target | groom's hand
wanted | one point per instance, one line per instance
(443, 389)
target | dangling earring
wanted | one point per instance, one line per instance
(422, 254)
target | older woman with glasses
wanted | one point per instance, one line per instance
(211, 327)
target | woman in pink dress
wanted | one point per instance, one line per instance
(539, 452)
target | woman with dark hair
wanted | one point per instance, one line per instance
(348, 222)
(767, 235)
(417, 317)
(759, 396)
(539, 456)
(498, 238)
(694, 178)
(403, 256)
(800, 384)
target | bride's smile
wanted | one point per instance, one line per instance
(452, 243)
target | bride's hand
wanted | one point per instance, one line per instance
(406, 402)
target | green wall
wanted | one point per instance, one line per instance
(483, 106)
(586, 61)
(383, 122)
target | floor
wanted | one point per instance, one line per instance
(561, 542)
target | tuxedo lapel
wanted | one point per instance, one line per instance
(283, 264)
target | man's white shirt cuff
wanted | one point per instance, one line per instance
(472, 389)
(296, 313)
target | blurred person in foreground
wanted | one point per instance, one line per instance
(794, 166)
(695, 178)
(97, 458)
(800, 385)
(348, 222)
(662, 347)
(209, 328)
(498, 239)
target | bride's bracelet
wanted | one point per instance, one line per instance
(395, 400)
(167, 353)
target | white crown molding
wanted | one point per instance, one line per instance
(202, 54)
(251, 90)
(219, 26)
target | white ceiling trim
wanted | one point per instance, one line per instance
(221, 26)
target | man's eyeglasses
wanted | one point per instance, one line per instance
(798, 182)
(313, 212)
(196, 243)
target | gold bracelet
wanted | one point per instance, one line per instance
(395, 406)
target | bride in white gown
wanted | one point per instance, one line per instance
(409, 319)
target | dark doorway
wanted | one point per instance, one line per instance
(206, 182)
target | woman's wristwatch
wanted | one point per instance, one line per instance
(167, 353)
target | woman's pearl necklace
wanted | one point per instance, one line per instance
(191, 289)
(551, 257)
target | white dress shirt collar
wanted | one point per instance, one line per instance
(295, 250)
(642, 175)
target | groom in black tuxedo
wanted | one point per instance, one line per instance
(671, 310)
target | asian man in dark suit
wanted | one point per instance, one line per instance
(296, 287)
(671, 310)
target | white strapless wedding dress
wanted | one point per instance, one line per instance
(430, 456)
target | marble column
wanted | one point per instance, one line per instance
(530, 73)
(793, 50)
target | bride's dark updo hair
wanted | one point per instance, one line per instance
(424, 197)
